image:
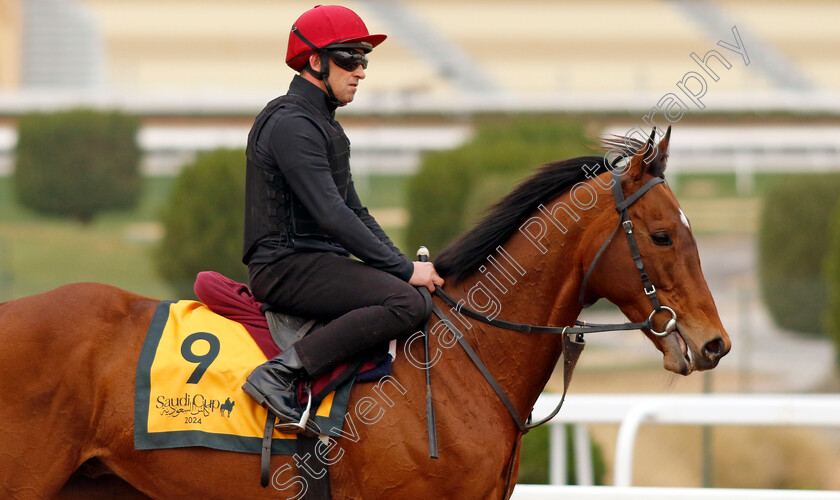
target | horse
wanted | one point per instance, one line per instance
(69, 355)
(227, 406)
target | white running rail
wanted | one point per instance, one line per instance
(633, 410)
(551, 492)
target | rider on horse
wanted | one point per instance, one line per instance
(303, 219)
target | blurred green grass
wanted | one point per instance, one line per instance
(721, 184)
(381, 190)
(39, 253)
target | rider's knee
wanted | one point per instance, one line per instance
(409, 307)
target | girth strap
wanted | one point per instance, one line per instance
(317, 485)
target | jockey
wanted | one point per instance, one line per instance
(303, 219)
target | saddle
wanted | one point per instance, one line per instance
(274, 331)
(286, 329)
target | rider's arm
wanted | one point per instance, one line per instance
(299, 148)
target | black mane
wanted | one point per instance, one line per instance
(471, 250)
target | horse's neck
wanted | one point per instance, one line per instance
(521, 284)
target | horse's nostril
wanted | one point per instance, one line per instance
(714, 347)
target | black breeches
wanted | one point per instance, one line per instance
(365, 306)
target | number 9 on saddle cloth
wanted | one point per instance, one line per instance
(274, 331)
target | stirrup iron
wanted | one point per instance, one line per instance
(297, 428)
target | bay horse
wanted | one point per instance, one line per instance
(68, 356)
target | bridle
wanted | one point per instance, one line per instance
(624, 222)
(571, 347)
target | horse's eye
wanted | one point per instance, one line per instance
(662, 239)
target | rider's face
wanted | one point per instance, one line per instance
(345, 83)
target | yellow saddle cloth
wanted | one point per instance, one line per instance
(188, 388)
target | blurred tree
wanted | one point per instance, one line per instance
(77, 163)
(533, 465)
(831, 268)
(204, 221)
(453, 188)
(794, 237)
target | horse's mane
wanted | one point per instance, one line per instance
(471, 250)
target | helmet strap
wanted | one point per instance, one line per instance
(324, 74)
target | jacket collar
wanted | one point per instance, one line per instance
(302, 87)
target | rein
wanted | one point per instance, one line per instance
(571, 348)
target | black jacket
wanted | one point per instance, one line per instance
(299, 191)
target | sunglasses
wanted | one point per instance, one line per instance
(348, 60)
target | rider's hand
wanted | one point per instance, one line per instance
(425, 275)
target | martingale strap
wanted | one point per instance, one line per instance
(571, 353)
(572, 349)
(520, 422)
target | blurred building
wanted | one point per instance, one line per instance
(558, 52)
(10, 39)
(216, 62)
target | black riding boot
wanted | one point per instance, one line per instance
(274, 385)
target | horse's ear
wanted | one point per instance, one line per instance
(646, 157)
(648, 152)
(642, 158)
(660, 160)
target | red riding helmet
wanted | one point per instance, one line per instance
(327, 25)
